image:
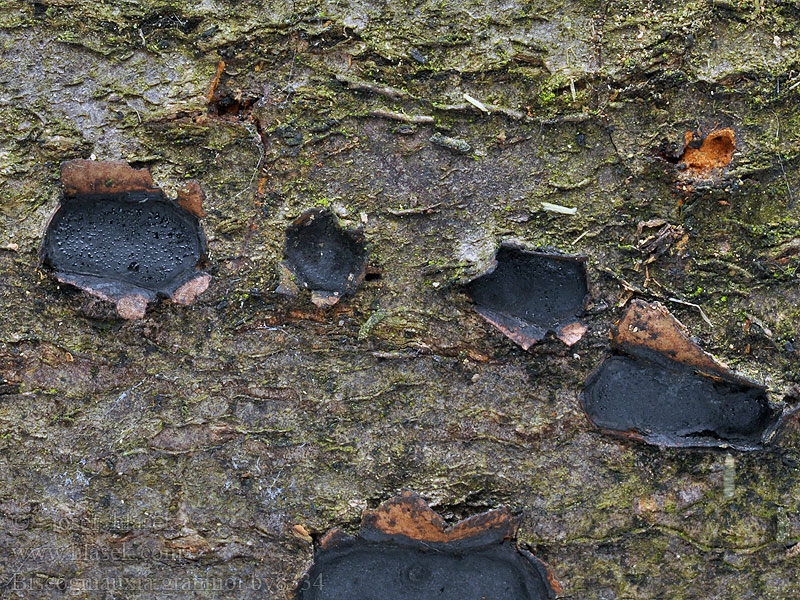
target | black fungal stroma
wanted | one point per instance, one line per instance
(528, 294)
(669, 404)
(323, 257)
(405, 551)
(140, 239)
(357, 570)
(116, 236)
(659, 386)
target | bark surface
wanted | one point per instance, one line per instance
(204, 448)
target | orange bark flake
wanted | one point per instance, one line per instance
(714, 153)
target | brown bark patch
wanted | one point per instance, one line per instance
(190, 438)
(88, 177)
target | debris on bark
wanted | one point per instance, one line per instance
(365, 86)
(558, 209)
(396, 116)
(655, 245)
(451, 143)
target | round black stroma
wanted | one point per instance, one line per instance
(139, 238)
(322, 255)
(418, 571)
(670, 404)
(544, 289)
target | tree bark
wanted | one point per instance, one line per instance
(178, 454)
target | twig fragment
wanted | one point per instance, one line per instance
(396, 116)
(566, 187)
(365, 86)
(422, 210)
(215, 81)
(697, 306)
(557, 208)
(476, 103)
(580, 237)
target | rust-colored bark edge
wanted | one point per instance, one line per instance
(410, 516)
(651, 326)
(88, 177)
